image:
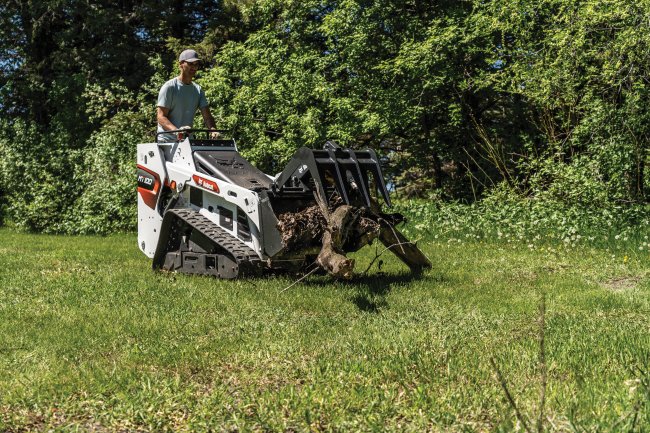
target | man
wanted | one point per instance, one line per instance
(180, 97)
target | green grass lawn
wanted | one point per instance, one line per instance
(91, 339)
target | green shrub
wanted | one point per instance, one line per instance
(36, 171)
(507, 216)
(55, 180)
(108, 201)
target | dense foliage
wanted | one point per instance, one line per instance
(464, 99)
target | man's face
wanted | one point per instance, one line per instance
(189, 68)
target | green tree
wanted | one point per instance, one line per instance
(407, 78)
(72, 71)
(583, 69)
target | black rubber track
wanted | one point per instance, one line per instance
(176, 223)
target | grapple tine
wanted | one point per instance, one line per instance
(379, 177)
(345, 166)
(359, 178)
(319, 183)
(338, 179)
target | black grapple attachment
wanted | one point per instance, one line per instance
(332, 168)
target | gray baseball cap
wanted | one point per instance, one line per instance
(189, 56)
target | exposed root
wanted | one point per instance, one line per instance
(407, 252)
(332, 257)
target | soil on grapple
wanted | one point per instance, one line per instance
(300, 229)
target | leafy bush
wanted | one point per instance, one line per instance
(57, 181)
(35, 171)
(507, 216)
(108, 202)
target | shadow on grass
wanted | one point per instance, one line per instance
(371, 291)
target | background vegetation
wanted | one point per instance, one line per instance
(544, 102)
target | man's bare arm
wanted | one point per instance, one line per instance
(163, 120)
(208, 118)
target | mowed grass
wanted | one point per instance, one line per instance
(91, 339)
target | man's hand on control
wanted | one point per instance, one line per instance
(182, 135)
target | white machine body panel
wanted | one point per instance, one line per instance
(152, 177)
(231, 207)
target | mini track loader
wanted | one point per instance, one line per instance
(204, 209)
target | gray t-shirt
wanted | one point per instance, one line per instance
(182, 101)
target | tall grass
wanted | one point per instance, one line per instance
(507, 218)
